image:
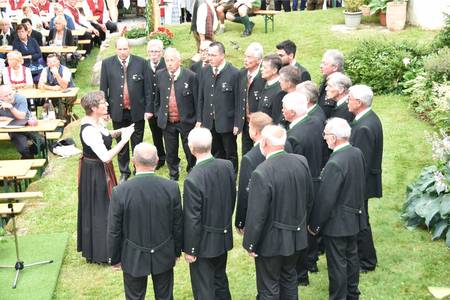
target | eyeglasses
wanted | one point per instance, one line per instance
(324, 134)
(155, 51)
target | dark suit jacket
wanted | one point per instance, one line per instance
(305, 138)
(67, 37)
(279, 200)
(367, 135)
(271, 103)
(197, 67)
(9, 37)
(32, 48)
(145, 225)
(185, 94)
(339, 207)
(209, 197)
(251, 96)
(217, 99)
(160, 66)
(249, 162)
(317, 112)
(326, 104)
(37, 36)
(139, 86)
(341, 111)
(304, 74)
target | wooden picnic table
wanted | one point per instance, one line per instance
(47, 94)
(9, 171)
(58, 49)
(75, 32)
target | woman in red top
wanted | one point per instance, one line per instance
(16, 74)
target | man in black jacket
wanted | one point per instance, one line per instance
(339, 210)
(217, 103)
(367, 135)
(250, 86)
(279, 200)
(332, 61)
(125, 80)
(337, 90)
(204, 58)
(270, 101)
(155, 52)
(310, 90)
(175, 106)
(145, 228)
(286, 50)
(209, 197)
(304, 137)
(249, 162)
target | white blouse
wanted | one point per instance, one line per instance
(92, 136)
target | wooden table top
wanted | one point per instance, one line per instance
(20, 196)
(38, 93)
(6, 211)
(42, 126)
(75, 32)
(14, 169)
(58, 49)
(266, 12)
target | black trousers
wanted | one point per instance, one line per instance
(366, 248)
(20, 141)
(136, 138)
(157, 137)
(224, 146)
(307, 259)
(136, 287)
(286, 5)
(171, 135)
(343, 267)
(209, 278)
(276, 277)
(247, 142)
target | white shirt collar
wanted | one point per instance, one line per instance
(342, 101)
(359, 116)
(340, 146)
(127, 60)
(293, 62)
(203, 159)
(311, 108)
(254, 73)
(153, 65)
(296, 121)
(220, 67)
(273, 81)
(177, 73)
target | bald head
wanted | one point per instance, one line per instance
(122, 48)
(145, 157)
(199, 141)
(6, 93)
(273, 138)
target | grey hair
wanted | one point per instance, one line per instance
(156, 43)
(290, 74)
(339, 127)
(145, 154)
(296, 102)
(336, 57)
(256, 49)
(172, 52)
(91, 100)
(362, 93)
(310, 90)
(339, 80)
(274, 135)
(200, 140)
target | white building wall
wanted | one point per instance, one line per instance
(428, 14)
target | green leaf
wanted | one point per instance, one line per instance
(439, 229)
(428, 209)
(445, 205)
(448, 238)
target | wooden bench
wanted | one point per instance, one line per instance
(7, 197)
(36, 162)
(269, 16)
(26, 180)
(5, 210)
(54, 135)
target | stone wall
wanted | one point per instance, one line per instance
(428, 14)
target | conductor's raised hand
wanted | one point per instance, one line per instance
(127, 132)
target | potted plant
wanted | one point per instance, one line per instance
(352, 13)
(365, 8)
(163, 34)
(379, 7)
(136, 36)
(396, 15)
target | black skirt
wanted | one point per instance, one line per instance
(93, 206)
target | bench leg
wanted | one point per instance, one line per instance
(273, 23)
(265, 23)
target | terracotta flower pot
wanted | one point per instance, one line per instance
(396, 15)
(382, 16)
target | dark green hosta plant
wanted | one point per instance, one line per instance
(428, 197)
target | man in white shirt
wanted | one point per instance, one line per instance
(55, 76)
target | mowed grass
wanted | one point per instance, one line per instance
(409, 261)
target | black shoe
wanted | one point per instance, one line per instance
(313, 268)
(246, 33)
(123, 178)
(364, 270)
(304, 281)
(160, 164)
(252, 25)
(174, 177)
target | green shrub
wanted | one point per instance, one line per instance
(353, 5)
(442, 39)
(136, 33)
(437, 65)
(428, 197)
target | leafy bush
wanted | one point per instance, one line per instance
(353, 5)
(135, 33)
(428, 198)
(380, 64)
(437, 65)
(442, 39)
(164, 34)
(377, 6)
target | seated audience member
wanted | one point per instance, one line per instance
(98, 8)
(59, 11)
(55, 76)
(15, 106)
(16, 74)
(7, 33)
(29, 48)
(27, 13)
(204, 21)
(81, 22)
(242, 9)
(31, 32)
(60, 35)
(14, 7)
(222, 7)
(337, 90)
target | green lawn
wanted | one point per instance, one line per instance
(409, 261)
